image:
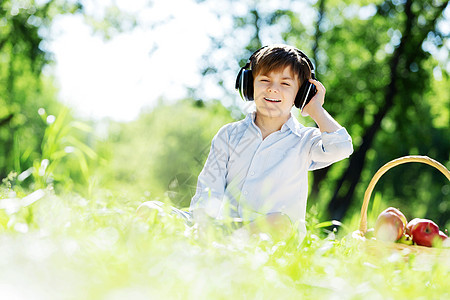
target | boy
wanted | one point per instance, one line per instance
(257, 167)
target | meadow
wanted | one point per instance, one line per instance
(69, 247)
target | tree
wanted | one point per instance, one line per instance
(24, 89)
(378, 62)
(402, 89)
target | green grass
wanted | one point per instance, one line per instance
(68, 247)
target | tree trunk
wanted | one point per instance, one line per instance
(345, 188)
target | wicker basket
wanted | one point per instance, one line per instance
(372, 243)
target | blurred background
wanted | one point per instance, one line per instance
(125, 96)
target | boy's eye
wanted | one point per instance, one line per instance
(286, 84)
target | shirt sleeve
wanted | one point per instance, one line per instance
(328, 148)
(212, 179)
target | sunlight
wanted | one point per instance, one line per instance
(118, 77)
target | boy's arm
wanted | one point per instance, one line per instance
(334, 143)
(211, 180)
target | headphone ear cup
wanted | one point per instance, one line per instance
(305, 93)
(238, 85)
(248, 85)
(244, 84)
(299, 98)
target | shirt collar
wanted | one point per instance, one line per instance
(291, 124)
(250, 118)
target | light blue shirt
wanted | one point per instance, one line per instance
(245, 176)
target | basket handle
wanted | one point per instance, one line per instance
(384, 169)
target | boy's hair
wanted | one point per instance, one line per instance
(276, 58)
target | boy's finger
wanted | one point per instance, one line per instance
(316, 82)
(318, 85)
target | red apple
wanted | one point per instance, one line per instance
(411, 224)
(424, 232)
(398, 213)
(389, 226)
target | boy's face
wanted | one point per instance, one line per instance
(275, 92)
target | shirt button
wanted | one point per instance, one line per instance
(245, 193)
(252, 173)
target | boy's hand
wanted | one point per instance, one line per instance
(316, 103)
(315, 110)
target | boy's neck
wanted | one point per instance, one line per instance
(269, 125)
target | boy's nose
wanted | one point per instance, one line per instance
(273, 88)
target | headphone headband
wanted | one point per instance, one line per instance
(302, 55)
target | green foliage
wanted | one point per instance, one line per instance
(362, 63)
(53, 149)
(163, 151)
(65, 155)
(23, 89)
(112, 21)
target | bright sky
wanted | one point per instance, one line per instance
(117, 77)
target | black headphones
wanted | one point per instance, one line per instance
(244, 82)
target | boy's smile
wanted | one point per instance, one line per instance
(275, 93)
(272, 100)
